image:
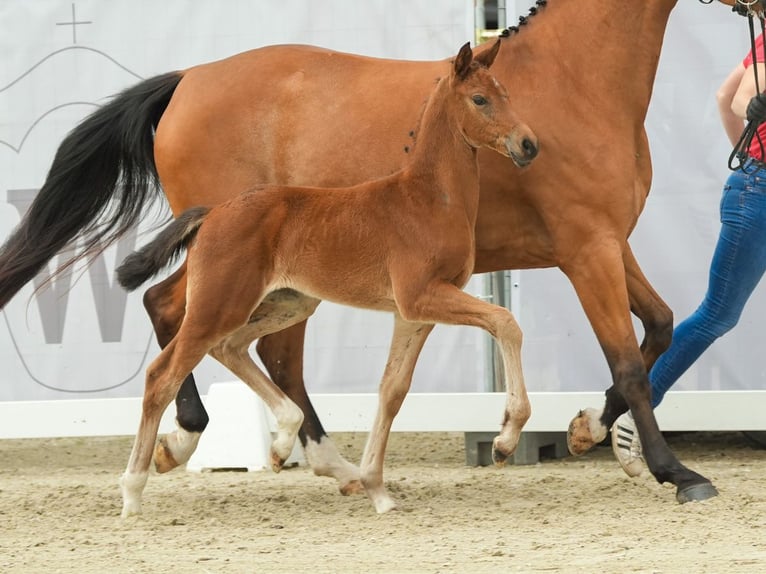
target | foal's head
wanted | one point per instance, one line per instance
(486, 117)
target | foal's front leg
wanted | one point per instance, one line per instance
(446, 303)
(406, 344)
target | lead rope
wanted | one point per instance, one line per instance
(739, 154)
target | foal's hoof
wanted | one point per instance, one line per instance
(129, 509)
(696, 493)
(351, 488)
(499, 458)
(502, 450)
(277, 462)
(163, 458)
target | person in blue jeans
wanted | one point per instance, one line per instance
(739, 259)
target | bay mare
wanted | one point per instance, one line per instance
(582, 72)
(402, 243)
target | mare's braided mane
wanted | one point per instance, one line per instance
(533, 10)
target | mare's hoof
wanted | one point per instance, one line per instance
(351, 488)
(579, 437)
(163, 458)
(696, 493)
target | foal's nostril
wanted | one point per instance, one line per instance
(529, 147)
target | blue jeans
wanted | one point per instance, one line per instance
(739, 262)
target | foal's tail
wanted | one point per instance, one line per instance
(141, 265)
(102, 177)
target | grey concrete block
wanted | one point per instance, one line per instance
(532, 447)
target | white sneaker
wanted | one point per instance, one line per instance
(626, 445)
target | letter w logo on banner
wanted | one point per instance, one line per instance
(109, 298)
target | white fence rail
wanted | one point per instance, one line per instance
(459, 412)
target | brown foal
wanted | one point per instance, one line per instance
(403, 243)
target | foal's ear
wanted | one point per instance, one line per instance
(486, 58)
(463, 61)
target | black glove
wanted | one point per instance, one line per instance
(740, 9)
(756, 109)
(743, 9)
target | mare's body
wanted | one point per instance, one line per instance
(582, 71)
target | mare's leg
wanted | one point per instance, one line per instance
(656, 318)
(166, 305)
(406, 344)
(446, 303)
(282, 355)
(598, 275)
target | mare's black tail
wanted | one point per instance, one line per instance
(102, 177)
(164, 249)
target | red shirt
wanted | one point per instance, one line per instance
(748, 61)
(755, 146)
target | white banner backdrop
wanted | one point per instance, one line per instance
(87, 339)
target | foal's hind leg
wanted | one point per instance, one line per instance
(166, 305)
(163, 377)
(406, 344)
(233, 353)
(209, 320)
(279, 310)
(282, 355)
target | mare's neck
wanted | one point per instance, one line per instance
(605, 52)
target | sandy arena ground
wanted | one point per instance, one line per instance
(60, 504)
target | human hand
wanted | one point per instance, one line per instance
(756, 109)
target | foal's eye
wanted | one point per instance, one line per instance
(479, 100)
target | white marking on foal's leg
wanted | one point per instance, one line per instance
(289, 419)
(325, 460)
(175, 449)
(376, 490)
(371, 469)
(132, 485)
(383, 502)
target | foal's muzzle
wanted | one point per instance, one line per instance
(522, 150)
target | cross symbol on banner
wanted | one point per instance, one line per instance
(74, 23)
